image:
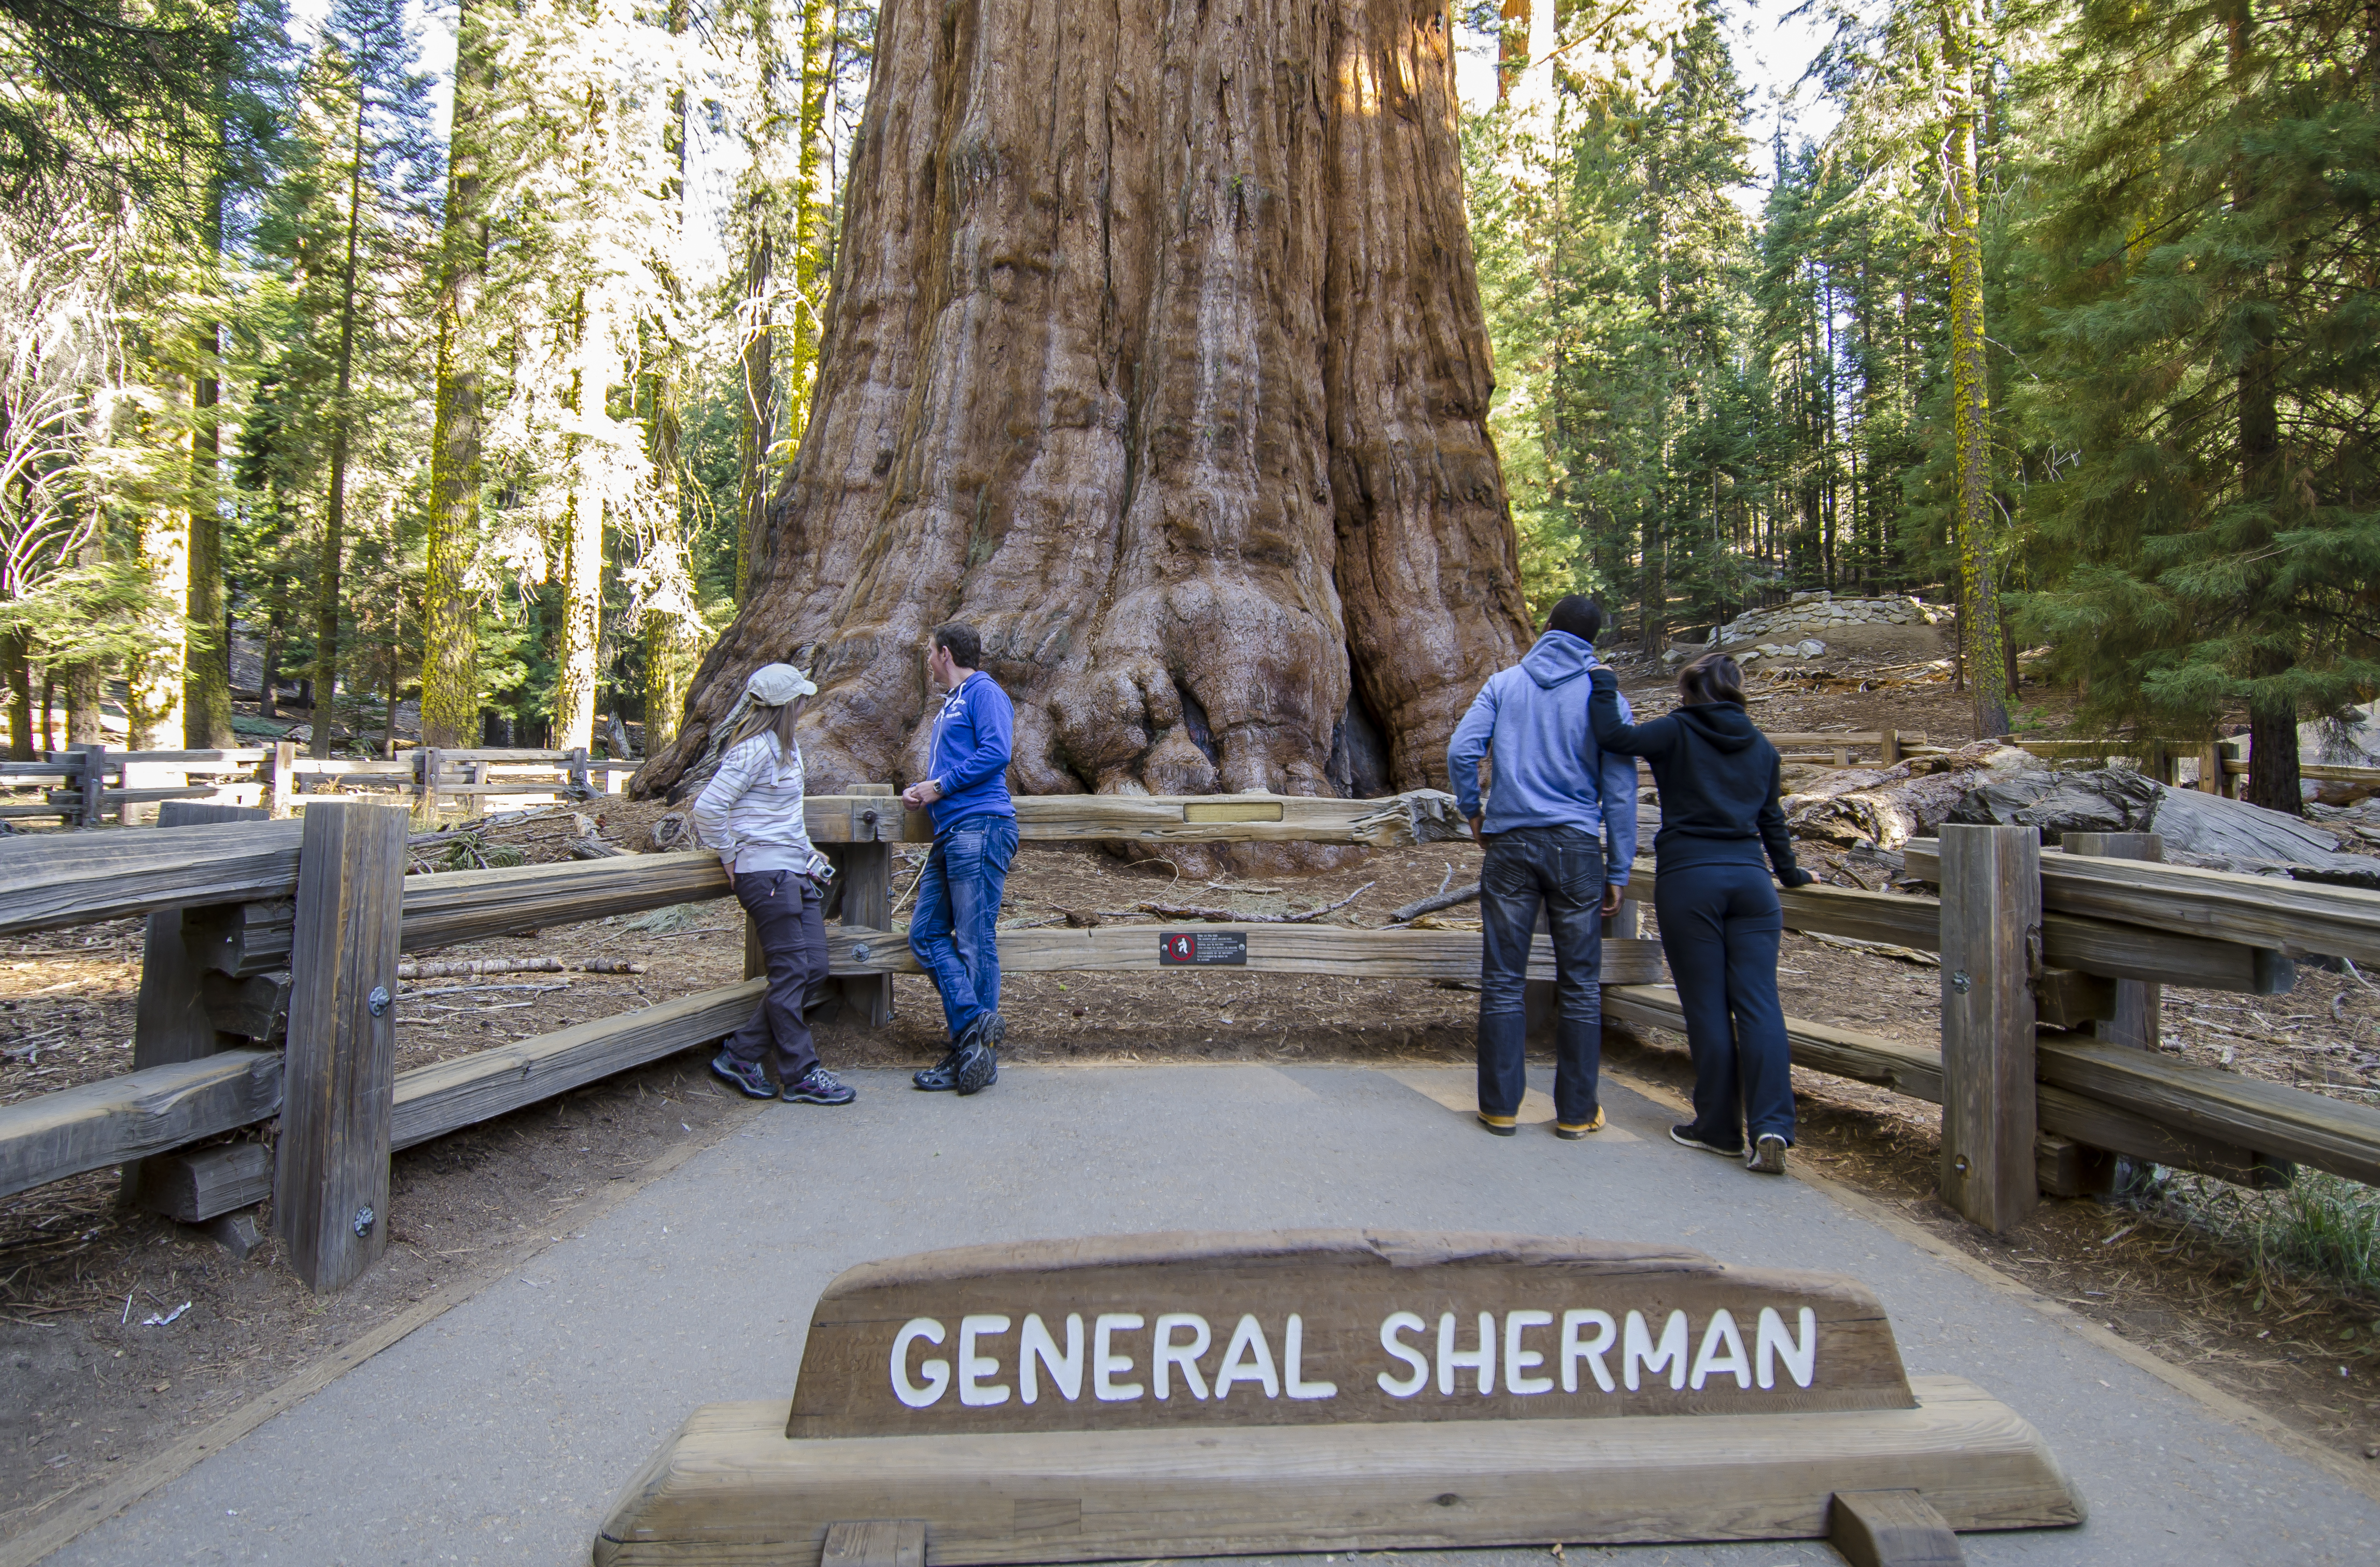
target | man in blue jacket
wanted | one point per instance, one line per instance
(956, 930)
(1560, 828)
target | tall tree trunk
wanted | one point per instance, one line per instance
(582, 548)
(334, 515)
(450, 628)
(154, 677)
(206, 665)
(1162, 363)
(14, 662)
(1979, 613)
(756, 427)
(667, 625)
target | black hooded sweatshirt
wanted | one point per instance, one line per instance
(1719, 778)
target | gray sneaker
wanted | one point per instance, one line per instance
(1767, 1154)
(746, 1075)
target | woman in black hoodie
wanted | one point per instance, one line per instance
(1719, 779)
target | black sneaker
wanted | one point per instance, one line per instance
(746, 1075)
(1768, 1156)
(819, 1087)
(1684, 1136)
(941, 1077)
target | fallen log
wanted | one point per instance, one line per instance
(479, 966)
(1234, 916)
(1434, 903)
(1884, 808)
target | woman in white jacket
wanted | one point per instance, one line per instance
(751, 812)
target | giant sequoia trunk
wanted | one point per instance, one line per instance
(1155, 355)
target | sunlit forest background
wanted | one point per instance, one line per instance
(444, 357)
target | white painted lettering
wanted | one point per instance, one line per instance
(1106, 1363)
(1249, 1359)
(1722, 1334)
(1065, 1370)
(1575, 1349)
(1638, 1349)
(1168, 1355)
(938, 1372)
(1482, 1360)
(1390, 1326)
(1294, 1363)
(973, 1390)
(1801, 1359)
(1518, 1360)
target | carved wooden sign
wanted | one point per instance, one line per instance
(1327, 1327)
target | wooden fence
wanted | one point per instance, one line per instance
(269, 978)
(88, 785)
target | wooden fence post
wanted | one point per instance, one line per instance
(93, 780)
(281, 778)
(2138, 1002)
(1888, 750)
(867, 900)
(1991, 943)
(426, 762)
(331, 1184)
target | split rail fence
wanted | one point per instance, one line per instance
(269, 982)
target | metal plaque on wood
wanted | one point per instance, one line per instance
(1202, 948)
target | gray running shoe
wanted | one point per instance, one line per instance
(1767, 1154)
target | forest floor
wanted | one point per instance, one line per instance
(84, 1398)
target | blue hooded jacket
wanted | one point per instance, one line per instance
(1547, 770)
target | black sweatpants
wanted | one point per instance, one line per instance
(1720, 925)
(785, 909)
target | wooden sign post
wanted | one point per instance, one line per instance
(1203, 1395)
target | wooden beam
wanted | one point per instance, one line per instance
(1271, 949)
(2299, 919)
(730, 1486)
(875, 1542)
(433, 1100)
(2138, 1003)
(240, 939)
(1915, 1070)
(1891, 1529)
(866, 869)
(2106, 1126)
(195, 1185)
(1162, 818)
(46, 882)
(118, 1120)
(470, 906)
(1991, 937)
(331, 1190)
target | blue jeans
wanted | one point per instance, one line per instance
(954, 931)
(1720, 930)
(1560, 867)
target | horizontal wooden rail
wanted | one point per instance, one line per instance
(119, 1119)
(1271, 949)
(1157, 819)
(2274, 1124)
(73, 878)
(2301, 918)
(2321, 772)
(470, 906)
(2090, 946)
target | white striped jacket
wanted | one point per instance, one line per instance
(752, 811)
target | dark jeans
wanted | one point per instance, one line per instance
(956, 930)
(785, 909)
(1720, 930)
(1560, 867)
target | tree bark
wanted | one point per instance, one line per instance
(324, 715)
(15, 651)
(1979, 615)
(154, 677)
(450, 630)
(1154, 353)
(582, 546)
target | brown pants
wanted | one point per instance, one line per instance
(785, 909)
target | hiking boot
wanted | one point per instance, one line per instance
(1768, 1156)
(1684, 1136)
(1502, 1125)
(1573, 1134)
(974, 1066)
(941, 1077)
(746, 1075)
(818, 1085)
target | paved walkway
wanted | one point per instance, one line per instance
(499, 1433)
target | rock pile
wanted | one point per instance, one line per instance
(1771, 631)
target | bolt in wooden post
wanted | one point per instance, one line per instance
(868, 904)
(331, 1186)
(1991, 942)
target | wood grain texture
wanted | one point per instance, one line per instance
(240, 939)
(119, 1119)
(48, 881)
(2298, 919)
(1991, 945)
(470, 906)
(1891, 1529)
(195, 1185)
(432, 1100)
(878, 1542)
(331, 1186)
(1915, 1070)
(1272, 949)
(2316, 1129)
(729, 1486)
(2137, 1016)
(1255, 818)
(1295, 1331)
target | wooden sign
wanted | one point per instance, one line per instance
(1324, 1328)
(1186, 1395)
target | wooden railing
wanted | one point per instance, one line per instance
(278, 933)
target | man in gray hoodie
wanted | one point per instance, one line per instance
(1560, 828)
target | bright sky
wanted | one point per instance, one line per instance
(1772, 49)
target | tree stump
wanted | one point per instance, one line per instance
(1156, 354)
